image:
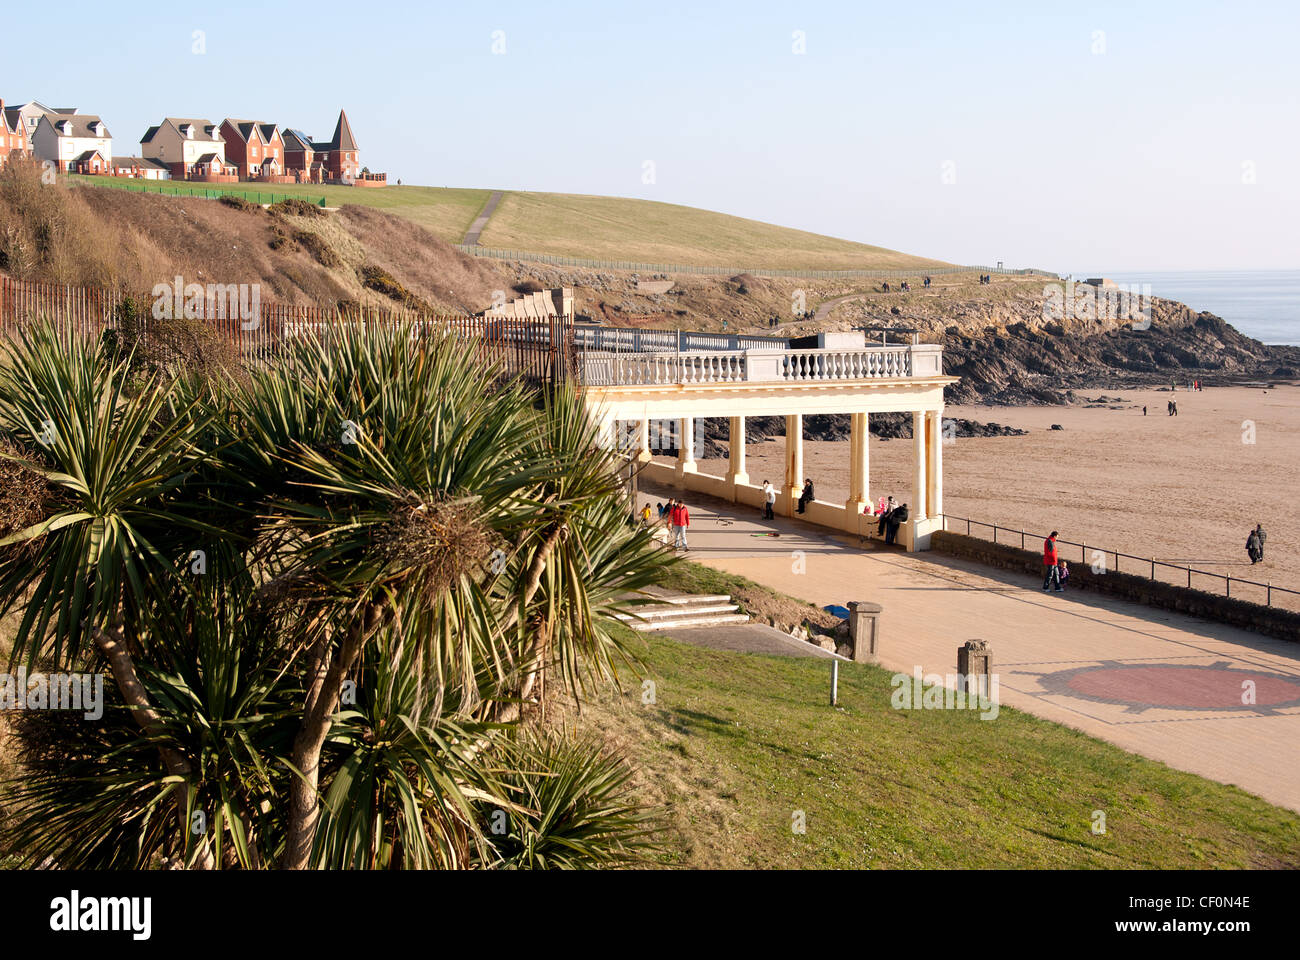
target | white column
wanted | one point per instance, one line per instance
(643, 441)
(916, 509)
(686, 449)
(737, 474)
(934, 468)
(793, 461)
(859, 463)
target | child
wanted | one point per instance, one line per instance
(1063, 574)
(645, 515)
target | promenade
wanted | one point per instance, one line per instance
(1161, 684)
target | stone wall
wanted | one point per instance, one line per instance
(1271, 621)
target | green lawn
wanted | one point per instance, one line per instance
(446, 212)
(735, 744)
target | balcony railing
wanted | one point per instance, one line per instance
(602, 368)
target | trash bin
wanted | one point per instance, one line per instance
(864, 628)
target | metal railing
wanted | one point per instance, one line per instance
(644, 340)
(169, 188)
(1138, 565)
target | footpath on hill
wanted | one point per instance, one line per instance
(1202, 697)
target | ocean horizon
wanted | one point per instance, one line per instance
(1264, 304)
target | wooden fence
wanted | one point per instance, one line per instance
(540, 350)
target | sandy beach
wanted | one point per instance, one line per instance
(1185, 489)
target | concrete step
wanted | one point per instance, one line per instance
(676, 623)
(657, 612)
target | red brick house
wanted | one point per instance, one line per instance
(13, 134)
(256, 150)
(336, 161)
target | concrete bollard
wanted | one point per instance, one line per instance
(864, 628)
(975, 659)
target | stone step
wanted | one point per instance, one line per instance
(675, 623)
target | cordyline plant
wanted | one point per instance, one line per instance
(329, 593)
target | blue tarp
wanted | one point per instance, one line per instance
(841, 612)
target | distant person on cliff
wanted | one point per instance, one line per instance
(1050, 561)
(927, 283)
(1254, 549)
(897, 517)
(806, 497)
(769, 500)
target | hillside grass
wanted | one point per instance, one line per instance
(590, 227)
(734, 744)
(445, 212)
(617, 228)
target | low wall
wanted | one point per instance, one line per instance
(1271, 621)
(911, 536)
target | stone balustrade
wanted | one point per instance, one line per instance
(600, 368)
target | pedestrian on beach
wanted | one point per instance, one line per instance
(769, 500)
(1050, 564)
(1254, 550)
(1144, 411)
(681, 519)
(1259, 532)
(1062, 574)
(806, 497)
(897, 517)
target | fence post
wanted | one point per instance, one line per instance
(1153, 568)
(1268, 597)
(1227, 587)
(1022, 539)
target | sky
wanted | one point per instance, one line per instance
(1074, 137)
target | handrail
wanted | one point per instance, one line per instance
(1152, 562)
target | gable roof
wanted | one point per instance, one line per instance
(81, 124)
(203, 129)
(297, 140)
(13, 121)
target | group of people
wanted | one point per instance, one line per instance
(676, 516)
(904, 286)
(891, 516)
(986, 279)
(1255, 544)
(1173, 408)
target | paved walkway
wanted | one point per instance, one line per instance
(489, 208)
(1161, 684)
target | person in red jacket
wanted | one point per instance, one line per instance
(681, 519)
(1052, 577)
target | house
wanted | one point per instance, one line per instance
(73, 142)
(256, 149)
(337, 160)
(139, 168)
(30, 114)
(13, 135)
(190, 149)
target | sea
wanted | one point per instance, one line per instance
(1264, 304)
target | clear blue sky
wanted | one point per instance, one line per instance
(1067, 149)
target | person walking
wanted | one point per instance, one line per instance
(806, 497)
(683, 521)
(1052, 576)
(1144, 411)
(1253, 547)
(769, 500)
(1259, 532)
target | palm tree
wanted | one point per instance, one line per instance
(330, 593)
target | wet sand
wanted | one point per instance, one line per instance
(1185, 489)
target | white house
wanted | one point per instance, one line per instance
(77, 142)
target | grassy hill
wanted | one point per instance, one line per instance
(596, 228)
(644, 230)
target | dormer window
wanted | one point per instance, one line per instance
(65, 127)
(187, 131)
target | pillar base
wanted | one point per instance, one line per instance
(738, 479)
(683, 469)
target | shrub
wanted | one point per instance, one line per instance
(237, 202)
